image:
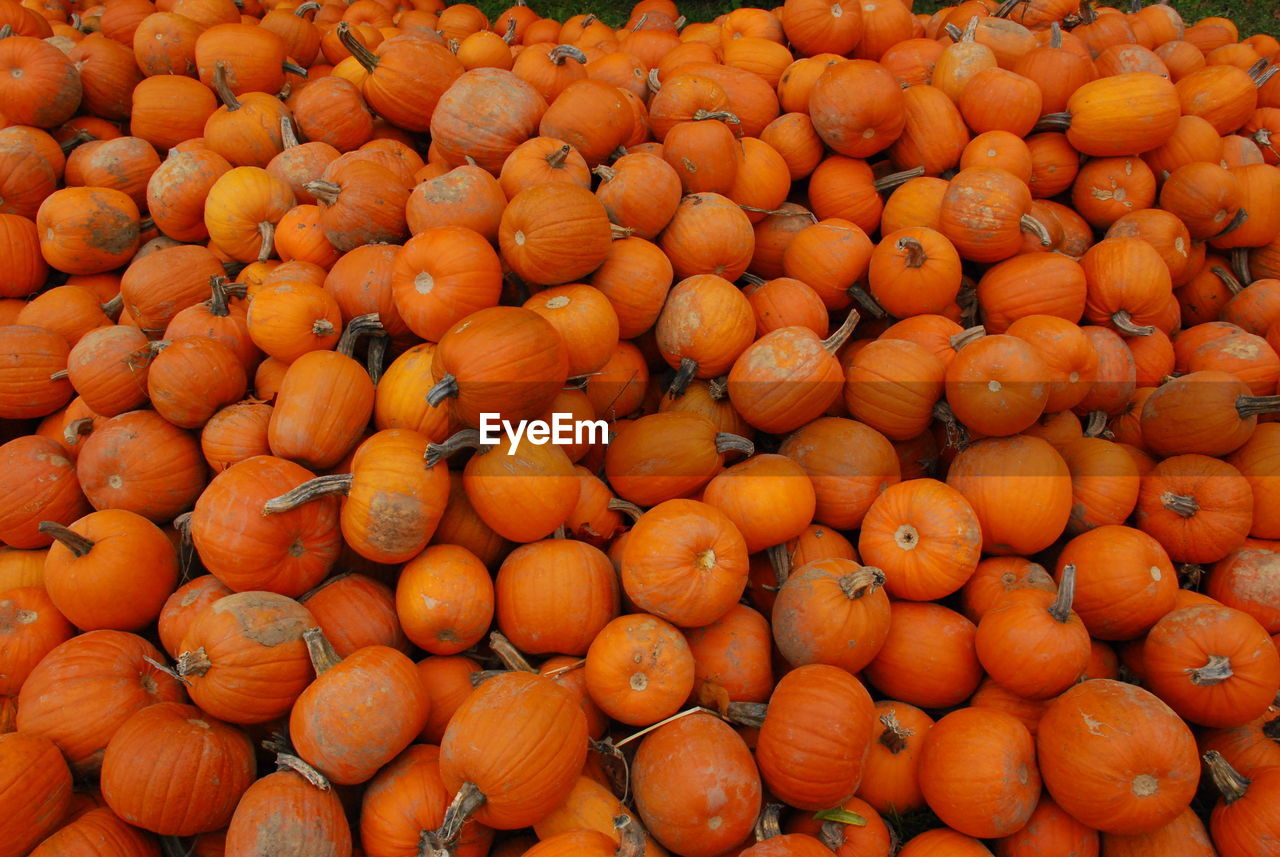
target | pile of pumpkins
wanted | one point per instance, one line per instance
(923, 488)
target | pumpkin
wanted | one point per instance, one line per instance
(528, 602)
(732, 655)
(554, 233)
(516, 381)
(294, 550)
(1214, 665)
(1052, 654)
(242, 209)
(813, 698)
(37, 483)
(1142, 758)
(511, 790)
(1198, 508)
(870, 128)
(1241, 822)
(85, 688)
(909, 664)
(290, 318)
(1041, 482)
(673, 789)
(33, 356)
(110, 569)
(192, 378)
(984, 213)
(158, 286)
(639, 669)
(850, 465)
(273, 808)
(1005, 771)
(31, 626)
(1209, 412)
(243, 656)
(511, 110)
(104, 368)
(183, 606)
(348, 740)
(890, 781)
(443, 274)
(177, 742)
(704, 326)
(51, 87)
(87, 230)
(140, 462)
(36, 788)
(768, 497)
(670, 541)
(97, 828)
(407, 799)
(831, 611)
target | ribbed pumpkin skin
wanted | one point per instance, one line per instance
(1117, 758)
(35, 791)
(407, 797)
(289, 552)
(257, 660)
(697, 789)
(98, 833)
(86, 688)
(174, 770)
(282, 815)
(359, 714)
(522, 739)
(812, 707)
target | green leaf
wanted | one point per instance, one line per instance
(843, 816)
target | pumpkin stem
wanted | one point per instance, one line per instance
(677, 716)
(1253, 406)
(1055, 36)
(1006, 8)
(1183, 505)
(680, 383)
(293, 68)
(752, 280)
(864, 581)
(831, 834)
(1096, 424)
(1240, 264)
(1271, 728)
(617, 233)
(1124, 323)
(1216, 671)
(769, 825)
(966, 336)
(560, 53)
(556, 159)
(312, 489)
(651, 80)
(166, 670)
(510, 656)
(267, 230)
(780, 559)
(605, 172)
(468, 799)
(361, 325)
(218, 297)
(750, 714)
(679, 23)
(891, 181)
(326, 192)
(6, 31)
(722, 115)
(970, 30)
(68, 538)
(223, 88)
(957, 434)
(323, 657)
(290, 762)
(954, 32)
(916, 257)
(895, 735)
(363, 55)
(1053, 122)
(1060, 609)
(510, 35)
(445, 388)
(1261, 77)
(195, 663)
(841, 334)
(1236, 222)
(866, 301)
(640, 22)
(626, 507)
(79, 137)
(288, 133)
(1230, 782)
(76, 429)
(631, 841)
(1189, 576)
(302, 10)
(464, 439)
(727, 442)
(1036, 228)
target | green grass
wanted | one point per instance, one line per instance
(1251, 16)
